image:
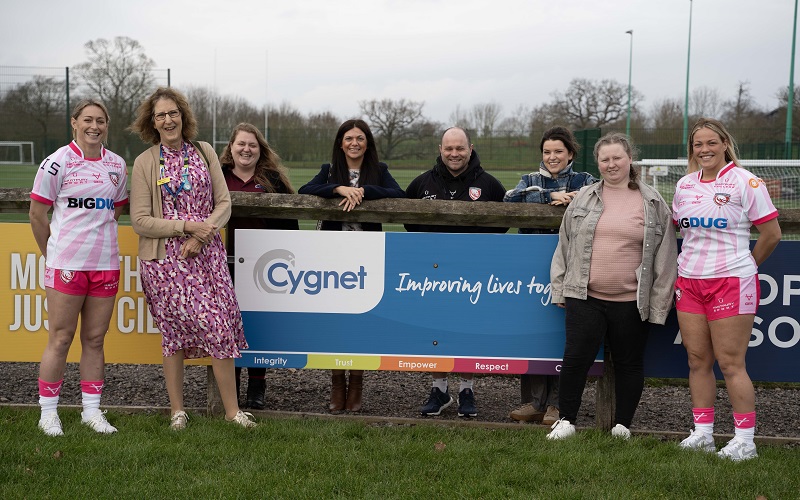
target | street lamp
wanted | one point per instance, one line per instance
(630, 74)
(686, 99)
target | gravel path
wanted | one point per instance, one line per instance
(399, 394)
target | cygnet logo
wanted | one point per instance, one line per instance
(281, 254)
(274, 272)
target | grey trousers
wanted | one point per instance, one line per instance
(540, 390)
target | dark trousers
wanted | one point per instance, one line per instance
(588, 323)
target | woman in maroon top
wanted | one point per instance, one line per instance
(250, 165)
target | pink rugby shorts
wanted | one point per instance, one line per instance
(717, 298)
(89, 283)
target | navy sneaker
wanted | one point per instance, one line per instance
(437, 402)
(466, 404)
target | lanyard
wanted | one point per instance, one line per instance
(185, 184)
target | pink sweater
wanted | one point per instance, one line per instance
(617, 247)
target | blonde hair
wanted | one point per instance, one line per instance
(718, 128)
(85, 103)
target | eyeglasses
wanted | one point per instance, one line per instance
(160, 117)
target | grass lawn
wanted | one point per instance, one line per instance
(335, 458)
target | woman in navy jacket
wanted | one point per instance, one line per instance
(354, 174)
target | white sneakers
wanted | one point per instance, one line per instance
(562, 429)
(246, 420)
(738, 449)
(51, 425)
(178, 421)
(98, 423)
(621, 432)
(697, 440)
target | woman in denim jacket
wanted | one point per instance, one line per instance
(613, 270)
(555, 184)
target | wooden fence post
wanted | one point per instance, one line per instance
(215, 406)
(604, 398)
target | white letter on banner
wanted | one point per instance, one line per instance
(788, 291)
(23, 278)
(758, 334)
(795, 332)
(773, 289)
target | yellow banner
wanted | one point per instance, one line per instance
(132, 335)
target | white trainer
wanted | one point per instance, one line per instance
(738, 449)
(246, 420)
(178, 421)
(51, 425)
(98, 423)
(620, 431)
(698, 440)
(562, 429)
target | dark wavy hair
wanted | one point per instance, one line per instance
(268, 165)
(144, 123)
(370, 171)
(564, 135)
(631, 150)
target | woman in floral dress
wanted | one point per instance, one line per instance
(179, 201)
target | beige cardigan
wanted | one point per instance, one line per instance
(146, 209)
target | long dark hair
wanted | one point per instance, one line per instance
(370, 171)
(268, 166)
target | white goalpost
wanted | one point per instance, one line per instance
(782, 177)
(16, 153)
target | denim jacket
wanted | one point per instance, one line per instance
(566, 181)
(569, 270)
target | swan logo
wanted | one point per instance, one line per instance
(259, 276)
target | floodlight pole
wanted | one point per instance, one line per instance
(686, 98)
(790, 95)
(630, 74)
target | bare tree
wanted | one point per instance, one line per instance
(460, 118)
(392, 121)
(705, 101)
(485, 117)
(667, 114)
(590, 104)
(519, 122)
(119, 73)
(43, 100)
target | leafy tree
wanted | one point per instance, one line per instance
(392, 122)
(118, 72)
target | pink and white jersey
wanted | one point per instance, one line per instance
(83, 193)
(714, 218)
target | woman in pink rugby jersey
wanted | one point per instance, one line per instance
(714, 207)
(86, 185)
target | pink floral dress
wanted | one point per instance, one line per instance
(192, 300)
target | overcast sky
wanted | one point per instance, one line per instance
(327, 55)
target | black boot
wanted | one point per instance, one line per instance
(256, 388)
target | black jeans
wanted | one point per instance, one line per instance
(588, 323)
